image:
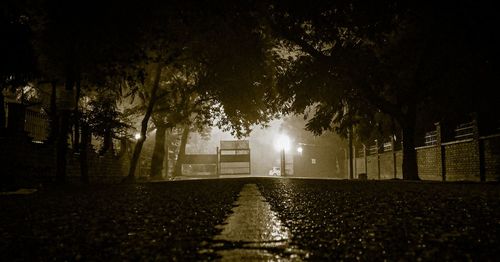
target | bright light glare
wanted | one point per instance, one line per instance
(300, 149)
(137, 136)
(282, 142)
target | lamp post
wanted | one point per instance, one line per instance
(282, 144)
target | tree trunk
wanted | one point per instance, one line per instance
(2, 110)
(351, 155)
(54, 119)
(64, 128)
(76, 119)
(107, 143)
(158, 152)
(62, 147)
(410, 167)
(144, 124)
(182, 151)
(84, 147)
(167, 154)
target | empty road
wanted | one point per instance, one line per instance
(254, 219)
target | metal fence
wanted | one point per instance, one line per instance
(464, 131)
(431, 138)
(37, 125)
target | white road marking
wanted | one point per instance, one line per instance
(253, 230)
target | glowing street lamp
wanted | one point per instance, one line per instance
(282, 144)
(137, 136)
(300, 150)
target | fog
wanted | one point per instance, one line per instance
(263, 154)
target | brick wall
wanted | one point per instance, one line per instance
(462, 161)
(429, 163)
(22, 159)
(98, 166)
(491, 149)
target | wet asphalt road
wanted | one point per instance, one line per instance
(324, 219)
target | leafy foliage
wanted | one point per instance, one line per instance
(16, 51)
(360, 59)
(103, 116)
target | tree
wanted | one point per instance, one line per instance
(331, 142)
(104, 119)
(76, 47)
(180, 106)
(225, 67)
(81, 45)
(16, 51)
(355, 58)
(168, 39)
(144, 122)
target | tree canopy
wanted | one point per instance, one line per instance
(353, 60)
(343, 63)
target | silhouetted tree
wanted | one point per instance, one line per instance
(386, 56)
(76, 46)
(105, 120)
(234, 75)
(18, 60)
(180, 105)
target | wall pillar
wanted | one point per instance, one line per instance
(440, 155)
(479, 147)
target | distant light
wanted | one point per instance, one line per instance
(137, 136)
(300, 149)
(282, 143)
